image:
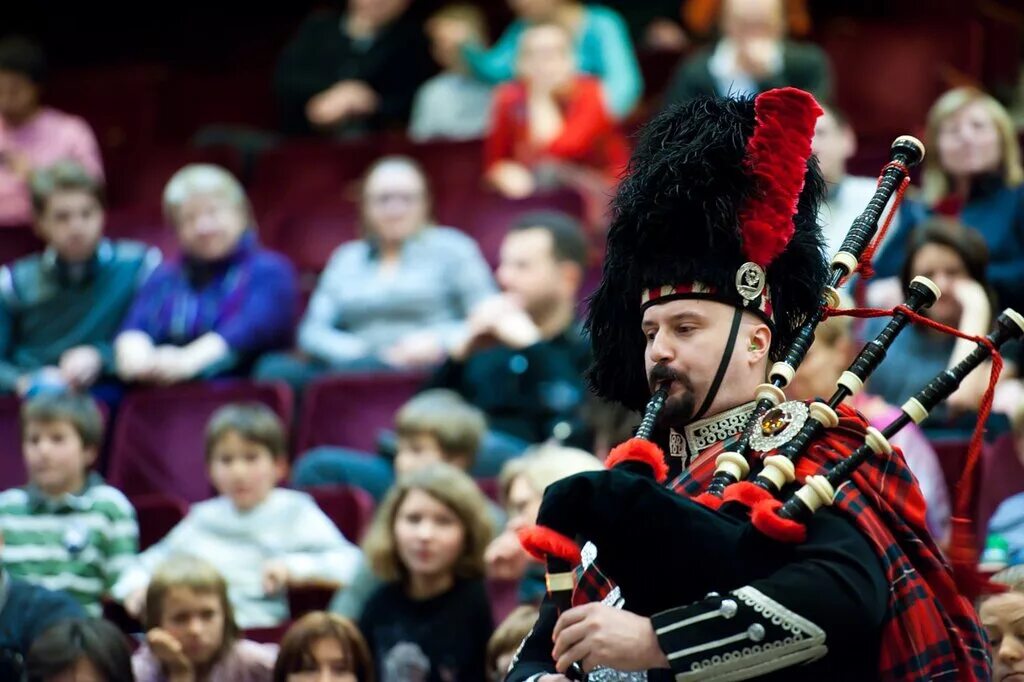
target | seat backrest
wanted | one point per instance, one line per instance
(351, 410)
(493, 215)
(12, 463)
(158, 513)
(157, 444)
(349, 507)
(1002, 476)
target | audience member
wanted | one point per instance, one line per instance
(259, 537)
(60, 309)
(26, 610)
(350, 73)
(224, 301)
(954, 257)
(752, 55)
(1006, 529)
(454, 104)
(88, 650)
(701, 16)
(66, 529)
(323, 647)
(831, 353)
(522, 483)
(33, 136)
(654, 25)
(1001, 616)
(395, 299)
(432, 619)
(191, 635)
(834, 145)
(973, 171)
(523, 356)
(435, 426)
(550, 127)
(506, 640)
(599, 37)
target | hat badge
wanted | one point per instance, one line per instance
(750, 281)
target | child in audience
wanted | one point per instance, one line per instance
(323, 647)
(258, 536)
(434, 426)
(432, 619)
(1002, 615)
(66, 529)
(506, 640)
(191, 632)
(91, 650)
(454, 104)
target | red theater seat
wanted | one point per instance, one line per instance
(349, 507)
(157, 443)
(16, 242)
(351, 410)
(493, 214)
(158, 513)
(1002, 476)
(12, 464)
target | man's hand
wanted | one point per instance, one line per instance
(600, 635)
(343, 100)
(505, 558)
(80, 366)
(421, 349)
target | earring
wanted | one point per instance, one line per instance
(753, 347)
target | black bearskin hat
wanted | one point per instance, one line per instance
(717, 190)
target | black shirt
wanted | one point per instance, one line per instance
(442, 639)
(394, 63)
(526, 393)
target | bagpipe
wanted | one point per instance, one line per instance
(625, 509)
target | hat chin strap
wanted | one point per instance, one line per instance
(716, 383)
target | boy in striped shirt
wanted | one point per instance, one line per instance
(66, 530)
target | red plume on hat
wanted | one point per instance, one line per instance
(777, 155)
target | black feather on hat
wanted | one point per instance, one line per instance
(713, 186)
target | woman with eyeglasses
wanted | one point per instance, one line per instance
(395, 299)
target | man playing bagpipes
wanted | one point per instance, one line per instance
(714, 269)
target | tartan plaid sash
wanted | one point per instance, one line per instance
(930, 631)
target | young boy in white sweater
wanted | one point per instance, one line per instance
(258, 536)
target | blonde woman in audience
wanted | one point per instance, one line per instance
(323, 647)
(432, 619)
(506, 640)
(261, 538)
(395, 299)
(191, 633)
(221, 303)
(522, 485)
(972, 171)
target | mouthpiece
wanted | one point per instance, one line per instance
(910, 148)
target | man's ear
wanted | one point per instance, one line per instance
(759, 343)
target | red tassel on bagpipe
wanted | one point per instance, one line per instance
(766, 519)
(541, 542)
(639, 450)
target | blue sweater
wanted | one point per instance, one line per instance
(603, 49)
(997, 213)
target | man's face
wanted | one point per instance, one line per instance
(19, 96)
(529, 271)
(685, 342)
(72, 223)
(833, 144)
